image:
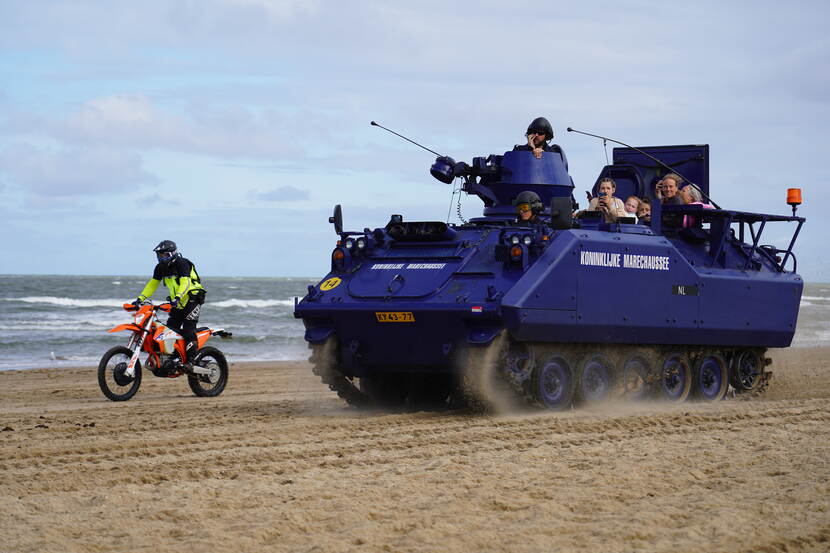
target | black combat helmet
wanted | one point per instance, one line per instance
(540, 124)
(531, 198)
(166, 252)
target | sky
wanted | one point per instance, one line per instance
(234, 126)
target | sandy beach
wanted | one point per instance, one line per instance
(279, 463)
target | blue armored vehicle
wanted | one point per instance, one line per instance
(558, 310)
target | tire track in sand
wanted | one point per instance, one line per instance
(360, 441)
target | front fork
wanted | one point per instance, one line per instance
(136, 341)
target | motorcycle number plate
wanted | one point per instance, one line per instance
(395, 316)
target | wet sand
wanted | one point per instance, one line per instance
(278, 463)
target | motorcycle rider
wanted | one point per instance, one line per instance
(186, 293)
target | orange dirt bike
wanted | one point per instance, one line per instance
(119, 372)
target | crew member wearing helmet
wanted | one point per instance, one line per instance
(528, 208)
(538, 134)
(186, 292)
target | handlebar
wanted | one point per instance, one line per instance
(166, 307)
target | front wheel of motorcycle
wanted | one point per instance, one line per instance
(212, 384)
(113, 379)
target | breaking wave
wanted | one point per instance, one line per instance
(233, 302)
(69, 302)
(117, 303)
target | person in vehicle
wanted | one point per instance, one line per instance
(692, 196)
(644, 211)
(632, 204)
(667, 189)
(539, 134)
(186, 292)
(611, 207)
(528, 208)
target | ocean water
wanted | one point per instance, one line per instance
(48, 321)
(813, 328)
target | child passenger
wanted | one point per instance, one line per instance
(644, 211)
(632, 205)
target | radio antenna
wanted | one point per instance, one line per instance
(407, 139)
(648, 155)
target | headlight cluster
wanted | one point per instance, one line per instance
(355, 245)
(341, 257)
(518, 248)
(526, 239)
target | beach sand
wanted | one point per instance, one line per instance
(278, 463)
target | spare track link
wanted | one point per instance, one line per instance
(324, 364)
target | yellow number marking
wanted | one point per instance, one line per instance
(330, 284)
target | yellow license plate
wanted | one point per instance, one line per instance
(395, 316)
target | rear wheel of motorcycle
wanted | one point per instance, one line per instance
(112, 377)
(209, 385)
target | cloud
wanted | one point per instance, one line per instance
(283, 194)
(157, 199)
(251, 95)
(72, 172)
(87, 25)
(133, 121)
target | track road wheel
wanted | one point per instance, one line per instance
(748, 371)
(675, 377)
(483, 380)
(711, 377)
(637, 377)
(112, 377)
(596, 378)
(209, 385)
(552, 383)
(324, 364)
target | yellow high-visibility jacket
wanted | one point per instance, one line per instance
(181, 280)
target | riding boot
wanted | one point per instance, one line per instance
(190, 352)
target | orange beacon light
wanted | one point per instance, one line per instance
(794, 198)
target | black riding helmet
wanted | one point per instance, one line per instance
(540, 124)
(530, 198)
(166, 252)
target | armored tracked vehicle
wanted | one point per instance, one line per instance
(561, 311)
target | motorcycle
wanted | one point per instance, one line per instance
(119, 372)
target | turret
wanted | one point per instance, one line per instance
(498, 179)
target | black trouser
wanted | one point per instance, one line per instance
(184, 321)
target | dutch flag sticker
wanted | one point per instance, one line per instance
(476, 309)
